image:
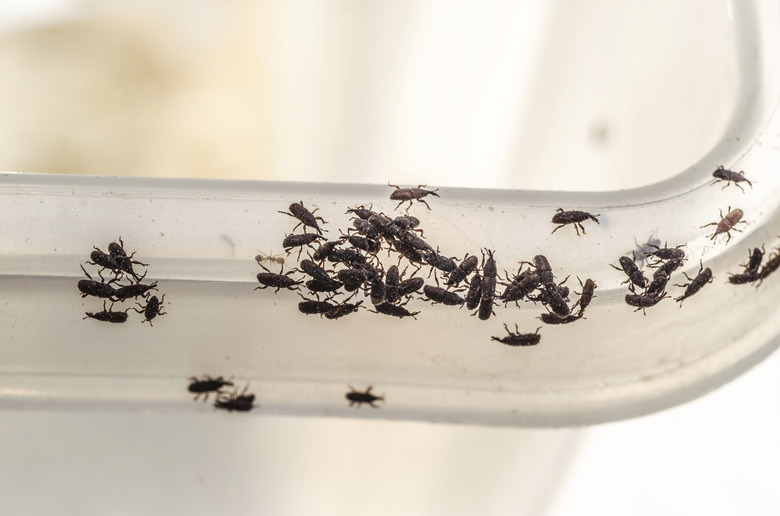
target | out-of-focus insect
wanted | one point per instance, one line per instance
(239, 402)
(358, 398)
(207, 385)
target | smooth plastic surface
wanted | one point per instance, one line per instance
(200, 237)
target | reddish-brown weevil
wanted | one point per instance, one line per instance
(573, 217)
(411, 194)
(729, 176)
(727, 223)
(356, 397)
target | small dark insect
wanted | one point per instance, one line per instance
(377, 292)
(152, 309)
(363, 243)
(587, 294)
(489, 273)
(727, 223)
(262, 257)
(669, 267)
(485, 309)
(519, 339)
(543, 269)
(658, 285)
(413, 240)
(324, 250)
(740, 279)
(300, 240)
(306, 217)
(553, 298)
(316, 285)
(134, 290)
(108, 315)
(206, 385)
(91, 287)
(729, 176)
(116, 250)
(314, 270)
(102, 259)
(666, 253)
(408, 251)
(350, 257)
(384, 225)
(277, 281)
(642, 301)
(474, 295)
(411, 194)
(343, 309)
(370, 270)
(409, 286)
(361, 211)
(466, 267)
(356, 397)
(754, 261)
(438, 261)
(573, 217)
(519, 289)
(365, 228)
(628, 266)
(702, 278)
(313, 307)
(771, 266)
(392, 280)
(394, 311)
(352, 279)
(440, 295)
(408, 222)
(551, 318)
(118, 255)
(230, 402)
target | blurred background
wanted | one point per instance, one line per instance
(574, 95)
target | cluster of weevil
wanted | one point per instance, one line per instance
(121, 266)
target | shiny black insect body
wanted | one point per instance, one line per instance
(485, 309)
(438, 261)
(551, 318)
(324, 250)
(350, 257)
(669, 267)
(239, 402)
(366, 229)
(408, 251)
(330, 285)
(152, 309)
(409, 286)
(519, 339)
(703, 277)
(543, 269)
(520, 287)
(466, 267)
(314, 307)
(361, 212)
(107, 315)
(489, 274)
(658, 285)
(573, 217)
(411, 194)
(392, 280)
(771, 266)
(314, 270)
(377, 292)
(118, 255)
(729, 176)
(394, 311)
(300, 240)
(642, 301)
(754, 261)
(352, 279)
(364, 243)
(474, 294)
(440, 295)
(586, 295)
(91, 287)
(104, 260)
(628, 266)
(667, 253)
(741, 279)
(358, 398)
(727, 223)
(134, 290)
(343, 309)
(207, 385)
(413, 240)
(552, 298)
(277, 281)
(306, 217)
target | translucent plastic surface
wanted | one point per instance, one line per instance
(200, 239)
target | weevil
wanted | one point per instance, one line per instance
(658, 285)
(352, 279)
(667, 253)
(306, 217)
(356, 397)
(771, 266)
(438, 261)
(551, 318)
(754, 260)
(361, 211)
(628, 266)
(740, 279)
(314, 307)
(107, 315)
(384, 226)
(642, 301)
(411, 194)
(324, 250)
(729, 176)
(543, 269)
(408, 251)
(343, 309)
(408, 223)
(586, 295)
(314, 270)
(727, 223)
(485, 309)
(520, 287)
(409, 286)
(573, 217)
(668, 267)
(152, 309)
(330, 285)
(394, 311)
(300, 240)
(134, 290)
(474, 294)
(365, 228)
(392, 280)
(350, 257)
(519, 339)
(117, 254)
(207, 385)
(703, 277)
(466, 267)
(377, 291)
(239, 402)
(277, 281)
(555, 300)
(91, 287)
(440, 295)
(489, 274)
(363, 243)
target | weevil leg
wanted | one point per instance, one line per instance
(422, 201)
